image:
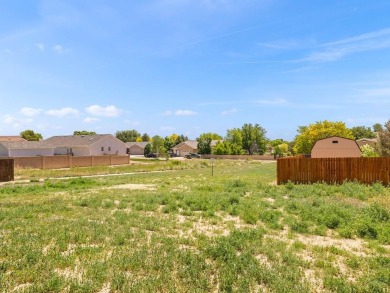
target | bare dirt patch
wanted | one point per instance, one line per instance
(132, 186)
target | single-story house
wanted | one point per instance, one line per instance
(370, 141)
(11, 138)
(190, 146)
(185, 147)
(87, 145)
(136, 148)
(336, 147)
(26, 148)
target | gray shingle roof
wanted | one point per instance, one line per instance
(18, 145)
(76, 140)
(11, 138)
(141, 144)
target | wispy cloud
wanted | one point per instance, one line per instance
(40, 46)
(108, 111)
(167, 128)
(179, 113)
(334, 51)
(30, 112)
(16, 122)
(63, 112)
(90, 120)
(272, 102)
(229, 112)
(185, 113)
(131, 122)
(59, 49)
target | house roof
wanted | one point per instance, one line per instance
(76, 140)
(11, 138)
(141, 144)
(191, 143)
(18, 145)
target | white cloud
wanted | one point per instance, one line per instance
(40, 46)
(59, 49)
(63, 112)
(334, 51)
(109, 111)
(229, 112)
(133, 123)
(30, 112)
(15, 122)
(272, 102)
(167, 113)
(185, 113)
(167, 128)
(90, 120)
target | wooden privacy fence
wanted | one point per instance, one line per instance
(6, 170)
(333, 170)
(57, 162)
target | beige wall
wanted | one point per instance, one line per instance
(57, 162)
(185, 150)
(328, 148)
(239, 157)
(31, 152)
(109, 142)
(136, 150)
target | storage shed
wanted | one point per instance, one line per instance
(336, 147)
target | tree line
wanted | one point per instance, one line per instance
(251, 139)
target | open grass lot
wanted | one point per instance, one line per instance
(184, 230)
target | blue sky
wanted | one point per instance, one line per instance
(192, 66)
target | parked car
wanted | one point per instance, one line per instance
(172, 154)
(151, 155)
(193, 155)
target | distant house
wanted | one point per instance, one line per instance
(11, 138)
(87, 145)
(136, 148)
(186, 147)
(336, 147)
(370, 141)
(190, 146)
(25, 148)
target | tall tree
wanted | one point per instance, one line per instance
(30, 135)
(253, 138)
(158, 145)
(384, 140)
(83, 132)
(204, 142)
(362, 132)
(145, 137)
(377, 127)
(308, 135)
(127, 135)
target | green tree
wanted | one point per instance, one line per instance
(362, 132)
(83, 132)
(158, 146)
(253, 138)
(145, 137)
(204, 142)
(30, 135)
(147, 149)
(308, 135)
(377, 127)
(368, 151)
(127, 135)
(384, 140)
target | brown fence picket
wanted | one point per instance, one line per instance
(333, 170)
